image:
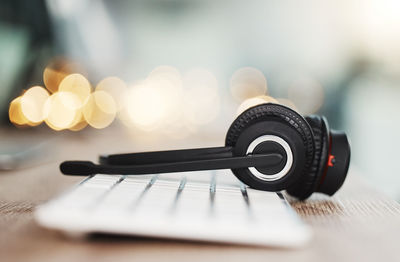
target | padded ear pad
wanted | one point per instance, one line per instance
(308, 184)
(278, 120)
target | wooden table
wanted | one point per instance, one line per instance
(357, 224)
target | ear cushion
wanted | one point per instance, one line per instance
(305, 187)
(274, 113)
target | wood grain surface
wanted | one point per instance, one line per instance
(357, 224)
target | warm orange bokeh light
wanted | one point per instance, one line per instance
(287, 102)
(61, 110)
(78, 85)
(165, 101)
(15, 113)
(80, 123)
(32, 103)
(167, 82)
(100, 109)
(254, 101)
(246, 83)
(115, 87)
(144, 106)
(57, 69)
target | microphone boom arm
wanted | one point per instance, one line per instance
(89, 168)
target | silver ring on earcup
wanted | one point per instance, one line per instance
(289, 157)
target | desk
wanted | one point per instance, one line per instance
(357, 224)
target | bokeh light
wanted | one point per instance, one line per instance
(144, 106)
(78, 85)
(201, 99)
(165, 102)
(61, 110)
(57, 69)
(115, 87)
(167, 81)
(246, 83)
(32, 103)
(307, 94)
(80, 123)
(254, 101)
(15, 113)
(167, 72)
(288, 103)
(100, 109)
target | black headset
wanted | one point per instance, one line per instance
(268, 147)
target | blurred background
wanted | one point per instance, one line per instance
(180, 71)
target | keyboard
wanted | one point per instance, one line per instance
(203, 206)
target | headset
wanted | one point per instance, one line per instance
(268, 147)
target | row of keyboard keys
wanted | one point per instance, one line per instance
(183, 197)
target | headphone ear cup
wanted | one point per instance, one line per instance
(280, 121)
(308, 185)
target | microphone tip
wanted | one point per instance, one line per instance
(78, 168)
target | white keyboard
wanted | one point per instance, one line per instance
(206, 206)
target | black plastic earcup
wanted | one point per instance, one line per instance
(309, 183)
(337, 164)
(280, 121)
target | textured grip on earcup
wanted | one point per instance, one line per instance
(304, 188)
(274, 113)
